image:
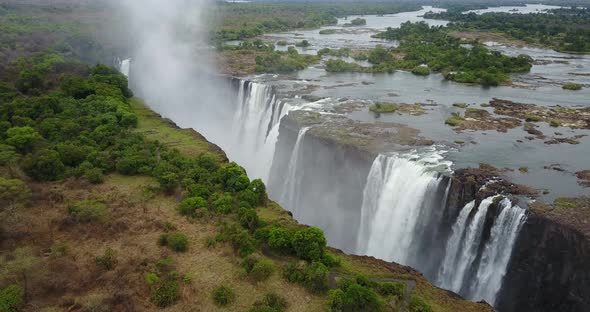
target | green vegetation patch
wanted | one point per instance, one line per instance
(328, 31)
(89, 211)
(572, 86)
(455, 120)
(423, 44)
(565, 202)
(421, 70)
(384, 107)
(223, 295)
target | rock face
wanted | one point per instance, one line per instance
(330, 181)
(549, 269)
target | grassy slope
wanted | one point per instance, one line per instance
(136, 221)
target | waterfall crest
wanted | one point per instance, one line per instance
(254, 128)
(397, 193)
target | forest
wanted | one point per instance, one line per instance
(565, 30)
(424, 48)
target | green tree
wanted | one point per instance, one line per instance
(14, 194)
(23, 138)
(309, 243)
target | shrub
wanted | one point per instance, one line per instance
(89, 211)
(421, 70)
(460, 105)
(330, 260)
(152, 278)
(555, 123)
(58, 249)
(23, 138)
(11, 298)
(382, 107)
(223, 295)
(417, 304)
(281, 43)
(108, 260)
(239, 238)
(309, 243)
(44, 165)
(572, 86)
(280, 239)
(317, 277)
(177, 242)
(295, 272)
(224, 204)
(189, 206)
(454, 120)
(248, 218)
(396, 289)
(262, 270)
(532, 118)
(94, 175)
(354, 298)
(270, 302)
(166, 293)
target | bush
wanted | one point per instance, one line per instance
(262, 270)
(166, 293)
(421, 70)
(354, 298)
(295, 272)
(330, 260)
(248, 218)
(396, 289)
(239, 238)
(455, 120)
(555, 123)
(317, 278)
(23, 138)
(94, 175)
(280, 239)
(224, 204)
(89, 211)
(572, 86)
(532, 118)
(189, 206)
(271, 302)
(383, 107)
(417, 304)
(108, 260)
(309, 243)
(223, 295)
(177, 242)
(44, 165)
(11, 298)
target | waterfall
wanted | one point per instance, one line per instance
(124, 67)
(497, 252)
(459, 260)
(292, 180)
(255, 128)
(460, 270)
(398, 191)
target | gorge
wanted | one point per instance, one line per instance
(403, 202)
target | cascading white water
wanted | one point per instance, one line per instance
(292, 180)
(256, 128)
(458, 260)
(393, 201)
(464, 247)
(125, 66)
(498, 251)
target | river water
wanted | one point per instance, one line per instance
(541, 86)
